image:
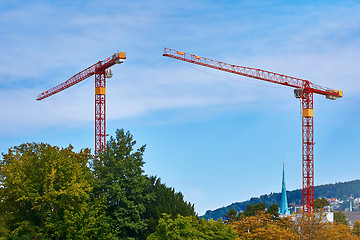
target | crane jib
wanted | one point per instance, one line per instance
(254, 73)
(84, 74)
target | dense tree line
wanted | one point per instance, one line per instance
(259, 223)
(300, 226)
(341, 190)
(251, 210)
(255, 223)
(48, 192)
(190, 228)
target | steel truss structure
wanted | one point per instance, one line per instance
(304, 90)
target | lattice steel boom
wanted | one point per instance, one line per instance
(304, 90)
(101, 72)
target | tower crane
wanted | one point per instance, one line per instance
(101, 71)
(303, 90)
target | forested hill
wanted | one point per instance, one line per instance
(341, 190)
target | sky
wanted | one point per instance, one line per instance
(216, 137)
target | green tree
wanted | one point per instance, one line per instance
(231, 216)
(251, 210)
(45, 192)
(320, 203)
(356, 228)
(339, 217)
(120, 180)
(274, 211)
(165, 200)
(190, 228)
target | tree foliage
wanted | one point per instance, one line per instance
(339, 217)
(251, 210)
(190, 228)
(231, 216)
(274, 211)
(339, 232)
(320, 203)
(261, 226)
(120, 180)
(165, 200)
(311, 225)
(299, 226)
(356, 228)
(45, 192)
(315, 226)
(48, 192)
(256, 223)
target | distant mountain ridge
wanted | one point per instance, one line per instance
(340, 190)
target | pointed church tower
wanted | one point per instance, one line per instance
(284, 203)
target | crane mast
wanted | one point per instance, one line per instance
(304, 90)
(101, 71)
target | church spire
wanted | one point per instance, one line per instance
(284, 203)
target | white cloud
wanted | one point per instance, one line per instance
(48, 45)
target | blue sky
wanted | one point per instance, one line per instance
(216, 137)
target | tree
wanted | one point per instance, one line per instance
(261, 226)
(311, 225)
(338, 232)
(274, 211)
(356, 228)
(339, 217)
(165, 200)
(45, 192)
(231, 216)
(320, 203)
(120, 180)
(299, 226)
(251, 210)
(190, 228)
(315, 226)
(216, 230)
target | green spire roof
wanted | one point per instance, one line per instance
(284, 209)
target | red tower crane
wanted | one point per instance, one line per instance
(101, 71)
(304, 90)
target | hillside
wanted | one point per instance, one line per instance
(340, 190)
